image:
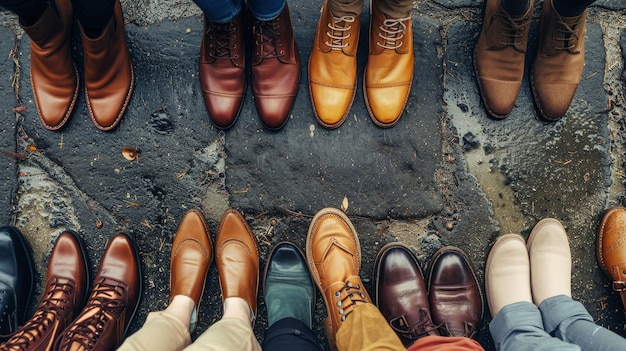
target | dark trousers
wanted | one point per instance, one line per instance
(290, 334)
(94, 13)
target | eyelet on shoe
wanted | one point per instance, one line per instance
(236, 56)
(282, 52)
(362, 295)
(339, 303)
(341, 311)
(343, 318)
(337, 294)
(358, 286)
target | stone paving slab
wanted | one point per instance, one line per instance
(8, 122)
(383, 172)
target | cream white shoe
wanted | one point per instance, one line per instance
(550, 260)
(507, 273)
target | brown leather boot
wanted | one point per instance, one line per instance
(389, 70)
(114, 299)
(109, 76)
(559, 62)
(332, 67)
(53, 74)
(275, 69)
(611, 249)
(333, 254)
(499, 57)
(65, 292)
(222, 70)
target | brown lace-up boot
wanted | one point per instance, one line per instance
(53, 75)
(109, 76)
(559, 62)
(222, 70)
(389, 71)
(275, 69)
(499, 57)
(114, 299)
(66, 288)
(332, 67)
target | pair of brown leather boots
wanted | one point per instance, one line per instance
(501, 50)
(68, 316)
(108, 73)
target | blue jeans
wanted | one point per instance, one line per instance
(222, 11)
(522, 326)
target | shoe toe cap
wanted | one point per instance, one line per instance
(553, 99)
(499, 96)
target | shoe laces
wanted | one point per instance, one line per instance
(267, 38)
(422, 327)
(339, 30)
(51, 307)
(106, 303)
(392, 31)
(565, 33)
(219, 39)
(348, 297)
(512, 28)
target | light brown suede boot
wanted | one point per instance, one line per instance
(109, 76)
(559, 62)
(53, 75)
(499, 57)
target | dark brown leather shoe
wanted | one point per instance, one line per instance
(237, 259)
(275, 69)
(65, 292)
(113, 302)
(53, 75)
(499, 57)
(456, 300)
(333, 254)
(559, 63)
(192, 254)
(109, 76)
(400, 293)
(222, 70)
(611, 248)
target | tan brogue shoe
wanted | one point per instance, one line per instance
(550, 261)
(222, 70)
(611, 248)
(65, 292)
(53, 75)
(275, 69)
(113, 302)
(333, 254)
(237, 259)
(559, 63)
(109, 75)
(192, 254)
(389, 71)
(332, 67)
(507, 273)
(499, 57)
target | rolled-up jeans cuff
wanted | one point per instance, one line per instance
(513, 316)
(559, 312)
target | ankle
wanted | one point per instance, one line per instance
(236, 307)
(183, 308)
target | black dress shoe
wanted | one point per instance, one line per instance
(287, 286)
(17, 280)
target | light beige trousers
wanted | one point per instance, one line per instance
(164, 332)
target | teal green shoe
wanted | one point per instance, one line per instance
(287, 286)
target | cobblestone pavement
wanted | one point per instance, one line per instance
(445, 175)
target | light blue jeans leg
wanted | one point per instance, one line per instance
(220, 11)
(266, 10)
(518, 327)
(570, 322)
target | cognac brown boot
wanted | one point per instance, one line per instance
(559, 62)
(499, 57)
(53, 75)
(65, 292)
(113, 302)
(611, 249)
(275, 69)
(389, 70)
(332, 67)
(109, 76)
(222, 70)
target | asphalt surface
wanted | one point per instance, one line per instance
(447, 174)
